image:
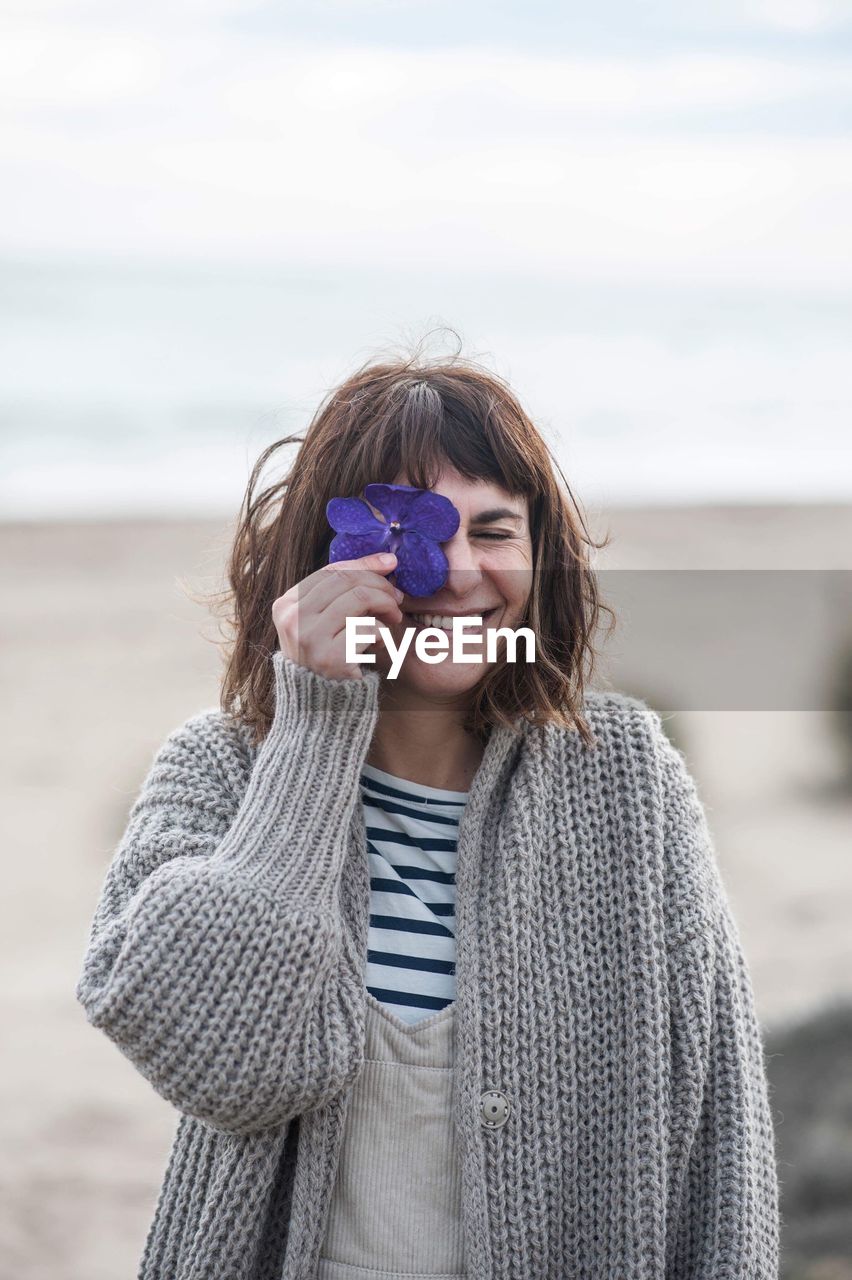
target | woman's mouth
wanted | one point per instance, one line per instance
(444, 621)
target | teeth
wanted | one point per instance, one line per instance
(434, 620)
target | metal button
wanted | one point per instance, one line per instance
(495, 1109)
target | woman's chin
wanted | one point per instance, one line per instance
(438, 680)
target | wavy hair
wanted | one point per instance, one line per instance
(413, 416)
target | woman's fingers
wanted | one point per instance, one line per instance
(318, 639)
(362, 601)
(311, 617)
(329, 582)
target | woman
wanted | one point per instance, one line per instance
(439, 971)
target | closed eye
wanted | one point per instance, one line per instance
(493, 537)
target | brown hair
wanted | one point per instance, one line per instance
(413, 416)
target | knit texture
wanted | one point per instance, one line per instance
(601, 986)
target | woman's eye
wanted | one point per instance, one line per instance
(494, 537)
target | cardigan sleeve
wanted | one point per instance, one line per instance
(216, 958)
(723, 1202)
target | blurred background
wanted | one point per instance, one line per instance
(213, 211)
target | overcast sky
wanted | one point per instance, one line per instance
(641, 211)
(707, 141)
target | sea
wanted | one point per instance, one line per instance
(146, 388)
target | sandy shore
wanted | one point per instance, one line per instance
(103, 654)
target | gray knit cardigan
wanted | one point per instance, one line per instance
(601, 986)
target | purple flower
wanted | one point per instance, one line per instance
(412, 524)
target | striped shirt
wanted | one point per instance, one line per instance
(412, 835)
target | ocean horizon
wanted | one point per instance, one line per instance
(150, 388)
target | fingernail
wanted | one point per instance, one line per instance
(387, 557)
(400, 595)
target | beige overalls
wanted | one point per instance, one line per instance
(396, 1208)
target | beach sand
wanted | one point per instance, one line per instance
(103, 654)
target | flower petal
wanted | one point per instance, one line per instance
(433, 515)
(421, 567)
(391, 499)
(350, 546)
(350, 515)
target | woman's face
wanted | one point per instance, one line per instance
(490, 575)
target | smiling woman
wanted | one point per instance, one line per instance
(439, 971)
(520, 552)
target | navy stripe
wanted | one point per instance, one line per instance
(418, 1001)
(437, 908)
(409, 926)
(391, 806)
(440, 844)
(370, 785)
(422, 873)
(396, 886)
(419, 963)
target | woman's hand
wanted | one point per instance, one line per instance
(310, 618)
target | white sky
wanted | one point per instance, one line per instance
(215, 132)
(642, 211)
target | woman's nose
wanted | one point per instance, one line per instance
(464, 571)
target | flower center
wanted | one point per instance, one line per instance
(394, 524)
